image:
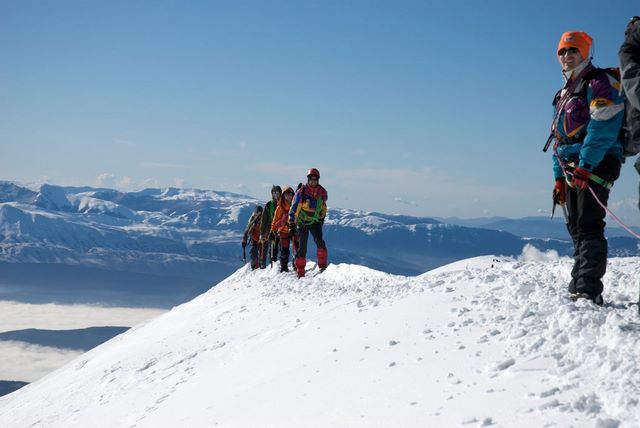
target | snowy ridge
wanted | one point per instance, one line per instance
(484, 342)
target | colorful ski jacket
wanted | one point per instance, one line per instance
(588, 125)
(309, 205)
(281, 216)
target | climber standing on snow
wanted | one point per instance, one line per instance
(587, 157)
(269, 239)
(252, 231)
(280, 226)
(307, 214)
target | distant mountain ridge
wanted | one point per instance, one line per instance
(194, 235)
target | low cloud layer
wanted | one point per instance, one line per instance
(27, 362)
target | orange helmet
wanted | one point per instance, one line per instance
(288, 189)
(314, 172)
(576, 39)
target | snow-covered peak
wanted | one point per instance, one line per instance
(491, 343)
(53, 198)
(11, 192)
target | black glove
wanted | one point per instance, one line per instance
(292, 229)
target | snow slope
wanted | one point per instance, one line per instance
(484, 342)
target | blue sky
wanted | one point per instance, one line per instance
(433, 108)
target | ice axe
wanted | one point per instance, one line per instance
(564, 212)
(272, 244)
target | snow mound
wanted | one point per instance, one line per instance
(480, 262)
(493, 342)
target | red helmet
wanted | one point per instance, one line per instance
(314, 172)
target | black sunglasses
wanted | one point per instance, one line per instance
(571, 50)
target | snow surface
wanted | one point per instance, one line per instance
(485, 342)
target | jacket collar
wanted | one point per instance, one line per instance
(576, 71)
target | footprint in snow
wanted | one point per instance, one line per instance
(148, 365)
(505, 364)
(215, 346)
(607, 423)
(549, 393)
(518, 334)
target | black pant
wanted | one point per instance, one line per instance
(284, 254)
(586, 227)
(303, 236)
(255, 250)
(270, 248)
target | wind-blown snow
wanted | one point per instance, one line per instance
(484, 342)
(531, 253)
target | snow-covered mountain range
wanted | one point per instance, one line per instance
(183, 240)
(482, 342)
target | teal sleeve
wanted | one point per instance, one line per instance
(602, 138)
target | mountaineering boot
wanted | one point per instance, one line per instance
(300, 263)
(284, 264)
(595, 299)
(322, 258)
